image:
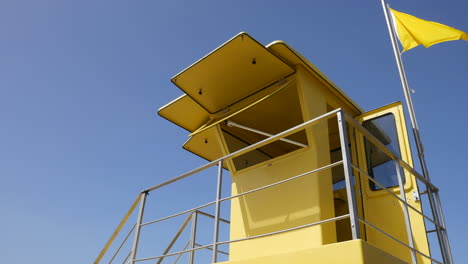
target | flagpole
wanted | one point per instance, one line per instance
(406, 91)
(443, 241)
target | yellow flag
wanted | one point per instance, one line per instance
(413, 31)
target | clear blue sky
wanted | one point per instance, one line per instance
(81, 81)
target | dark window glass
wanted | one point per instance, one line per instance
(379, 165)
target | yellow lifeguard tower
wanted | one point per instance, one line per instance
(315, 179)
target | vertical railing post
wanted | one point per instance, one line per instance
(138, 227)
(440, 236)
(193, 237)
(350, 192)
(217, 212)
(409, 229)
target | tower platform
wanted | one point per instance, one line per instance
(351, 252)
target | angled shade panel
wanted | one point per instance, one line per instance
(185, 113)
(215, 121)
(205, 145)
(232, 72)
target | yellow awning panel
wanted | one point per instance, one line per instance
(273, 113)
(185, 113)
(232, 72)
(221, 118)
(205, 145)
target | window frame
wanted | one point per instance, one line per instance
(405, 148)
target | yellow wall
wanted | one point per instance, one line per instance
(296, 203)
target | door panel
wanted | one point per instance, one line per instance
(380, 208)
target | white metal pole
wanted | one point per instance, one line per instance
(348, 173)
(193, 237)
(138, 227)
(409, 229)
(406, 90)
(217, 212)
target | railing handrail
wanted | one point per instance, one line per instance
(248, 238)
(246, 149)
(117, 230)
(293, 130)
(244, 193)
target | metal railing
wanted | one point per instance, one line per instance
(345, 123)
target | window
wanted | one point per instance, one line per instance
(379, 165)
(279, 112)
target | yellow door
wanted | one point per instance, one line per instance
(381, 208)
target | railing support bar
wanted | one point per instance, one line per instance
(121, 245)
(409, 229)
(138, 227)
(128, 255)
(350, 192)
(177, 235)
(217, 212)
(179, 256)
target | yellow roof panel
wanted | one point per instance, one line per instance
(232, 72)
(291, 56)
(185, 113)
